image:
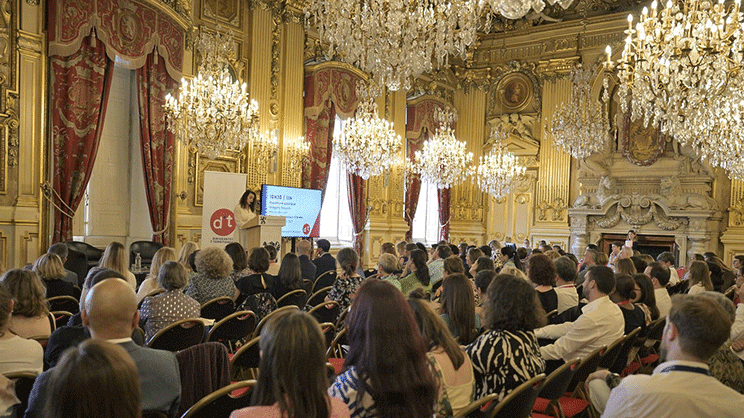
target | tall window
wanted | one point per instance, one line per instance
(426, 219)
(335, 216)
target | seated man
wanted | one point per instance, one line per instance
(110, 313)
(659, 276)
(601, 321)
(680, 386)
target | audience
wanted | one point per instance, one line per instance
(401, 249)
(565, 275)
(623, 296)
(292, 341)
(51, 271)
(659, 276)
(324, 261)
(680, 386)
(213, 266)
(419, 277)
(600, 324)
(150, 284)
(386, 372)
(95, 380)
(188, 248)
(452, 365)
(482, 280)
(625, 266)
(239, 261)
(165, 308)
(699, 278)
(541, 272)
(473, 255)
(590, 259)
(273, 264)
(18, 354)
(645, 297)
(724, 364)
(458, 308)
(62, 251)
(509, 258)
(116, 257)
(667, 260)
(482, 263)
(290, 279)
(436, 266)
(387, 266)
(30, 312)
(256, 290)
(348, 280)
(304, 252)
(507, 355)
(110, 314)
(453, 264)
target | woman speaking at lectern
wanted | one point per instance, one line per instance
(244, 212)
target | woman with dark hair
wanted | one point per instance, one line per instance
(256, 290)
(482, 263)
(699, 278)
(97, 379)
(482, 280)
(645, 298)
(348, 279)
(244, 212)
(386, 373)
(508, 355)
(239, 259)
(292, 341)
(290, 276)
(541, 272)
(419, 276)
(30, 312)
(625, 266)
(452, 264)
(623, 296)
(458, 308)
(509, 257)
(452, 365)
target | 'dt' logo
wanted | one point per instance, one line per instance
(222, 222)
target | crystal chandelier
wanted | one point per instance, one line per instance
(499, 169)
(367, 145)
(581, 126)
(443, 160)
(297, 151)
(213, 113)
(395, 40)
(262, 151)
(681, 70)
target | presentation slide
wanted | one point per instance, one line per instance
(301, 208)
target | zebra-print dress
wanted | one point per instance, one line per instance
(503, 360)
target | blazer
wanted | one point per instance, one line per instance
(324, 263)
(307, 267)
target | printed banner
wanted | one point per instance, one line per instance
(222, 191)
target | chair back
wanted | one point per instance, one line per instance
(218, 308)
(555, 385)
(92, 254)
(24, 382)
(324, 280)
(325, 312)
(609, 356)
(204, 368)
(655, 329)
(221, 403)
(61, 318)
(319, 296)
(622, 357)
(178, 335)
(296, 297)
(260, 325)
(335, 350)
(341, 321)
(329, 332)
(233, 327)
(246, 360)
(64, 303)
(146, 250)
(552, 314)
(587, 366)
(473, 410)
(77, 263)
(518, 404)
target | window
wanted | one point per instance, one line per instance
(426, 219)
(335, 216)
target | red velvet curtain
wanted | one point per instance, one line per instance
(413, 182)
(157, 143)
(443, 195)
(80, 85)
(358, 208)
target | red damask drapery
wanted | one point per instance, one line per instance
(443, 195)
(358, 208)
(80, 85)
(157, 143)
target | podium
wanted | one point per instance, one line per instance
(263, 230)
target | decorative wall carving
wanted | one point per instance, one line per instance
(226, 11)
(512, 79)
(9, 142)
(232, 162)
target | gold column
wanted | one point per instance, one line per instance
(733, 238)
(292, 86)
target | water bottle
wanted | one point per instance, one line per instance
(138, 262)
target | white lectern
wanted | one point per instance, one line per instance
(264, 230)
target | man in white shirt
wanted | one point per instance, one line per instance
(564, 279)
(667, 260)
(659, 276)
(436, 266)
(681, 386)
(600, 324)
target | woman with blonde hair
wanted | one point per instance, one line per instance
(116, 258)
(30, 313)
(625, 266)
(183, 255)
(699, 278)
(51, 271)
(150, 284)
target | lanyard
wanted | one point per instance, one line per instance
(682, 368)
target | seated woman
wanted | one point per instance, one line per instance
(508, 355)
(97, 379)
(289, 279)
(256, 289)
(645, 298)
(419, 277)
(453, 367)
(387, 266)
(623, 296)
(213, 266)
(348, 280)
(386, 372)
(18, 354)
(188, 248)
(292, 341)
(625, 265)
(541, 272)
(239, 259)
(699, 278)
(51, 271)
(150, 284)
(30, 313)
(116, 257)
(482, 280)
(458, 308)
(165, 308)
(482, 263)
